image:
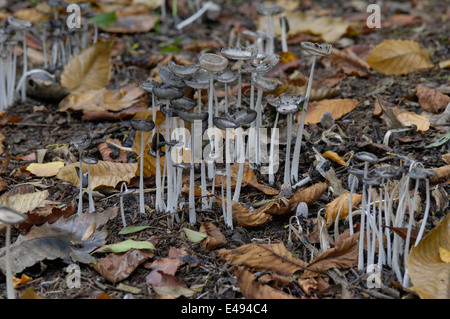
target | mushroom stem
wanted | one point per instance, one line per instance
(298, 142)
(122, 213)
(192, 214)
(425, 214)
(284, 46)
(288, 150)
(80, 197)
(9, 277)
(258, 124)
(241, 160)
(229, 219)
(141, 176)
(25, 65)
(272, 147)
(363, 219)
(195, 16)
(91, 200)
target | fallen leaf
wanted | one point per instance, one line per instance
(161, 266)
(251, 288)
(349, 63)
(45, 169)
(410, 118)
(429, 274)
(103, 173)
(397, 57)
(30, 293)
(308, 195)
(442, 174)
(105, 150)
(431, 100)
(264, 257)
(125, 246)
(194, 236)
(215, 238)
(337, 108)
(48, 214)
(25, 202)
(22, 280)
(315, 94)
(335, 157)
(132, 24)
(444, 254)
(88, 70)
(244, 215)
(340, 206)
(117, 267)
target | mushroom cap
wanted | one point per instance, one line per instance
(168, 111)
(167, 92)
(226, 77)
(124, 190)
(287, 103)
(182, 165)
(192, 117)
(220, 172)
(168, 77)
(239, 53)
(183, 103)
(149, 85)
(366, 157)
(142, 124)
(17, 24)
(318, 49)
(353, 180)
(263, 66)
(372, 181)
(418, 172)
(224, 123)
(81, 140)
(356, 172)
(302, 210)
(244, 117)
(386, 172)
(155, 144)
(11, 216)
(268, 10)
(213, 62)
(183, 71)
(89, 160)
(264, 83)
(199, 81)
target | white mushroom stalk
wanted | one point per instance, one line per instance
(123, 192)
(81, 142)
(269, 11)
(315, 49)
(196, 15)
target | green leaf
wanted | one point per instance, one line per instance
(440, 141)
(194, 236)
(132, 229)
(104, 19)
(125, 246)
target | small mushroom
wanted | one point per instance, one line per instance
(81, 141)
(10, 216)
(198, 82)
(142, 125)
(269, 11)
(226, 78)
(170, 78)
(123, 192)
(183, 71)
(90, 161)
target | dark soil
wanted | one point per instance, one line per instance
(46, 126)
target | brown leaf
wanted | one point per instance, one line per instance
(48, 214)
(442, 174)
(431, 100)
(264, 257)
(337, 108)
(245, 216)
(251, 288)
(117, 267)
(402, 232)
(349, 63)
(340, 206)
(88, 70)
(161, 266)
(45, 169)
(397, 57)
(430, 275)
(106, 151)
(215, 238)
(309, 195)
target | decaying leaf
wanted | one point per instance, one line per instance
(25, 202)
(397, 57)
(103, 173)
(45, 169)
(47, 214)
(431, 100)
(61, 239)
(125, 246)
(410, 118)
(309, 195)
(245, 216)
(335, 157)
(215, 238)
(340, 206)
(88, 70)
(429, 274)
(350, 64)
(106, 151)
(337, 108)
(442, 174)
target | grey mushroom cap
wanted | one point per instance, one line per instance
(353, 181)
(356, 172)
(183, 103)
(288, 103)
(224, 123)
(168, 77)
(157, 144)
(182, 165)
(372, 181)
(418, 172)
(386, 172)
(239, 53)
(10, 216)
(199, 81)
(263, 66)
(168, 111)
(244, 117)
(81, 140)
(220, 172)
(213, 62)
(17, 24)
(264, 83)
(183, 71)
(268, 10)
(142, 124)
(149, 85)
(127, 191)
(167, 92)
(192, 117)
(319, 49)
(89, 160)
(366, 157)
(226, 77)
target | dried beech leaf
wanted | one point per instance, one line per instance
(264, 257)
(350, 64)
(25, 202)
(442, 174)
(431, 100)
(88, 70)
(397, 57)
(215, 238)
(337, 108)
(429, 274)
(410, 118)
(251, 288)
(102, 174)
(45, 169)
(245, 216)
(340, 206)
(309, 195)
(48, 214)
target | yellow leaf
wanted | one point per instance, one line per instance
(25, 202)
(337, 108)
(429, 274)
(88, 70)
(397, 57)
(45, 169)
(444, 254)
(335, 157)
(409, 118)
(103, 173)
(340, 206)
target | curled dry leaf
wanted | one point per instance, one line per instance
(339, 206)
(215, 238)
(335, 157)
(252, 288)
(337, 108)
(309, 195)
(245, 216)
(429, 274)
(410, 118)
(88, 70)
(442, 174)
(48, 214)
(349, 63)
(431, 100)
(25, 202)
(397, 57)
